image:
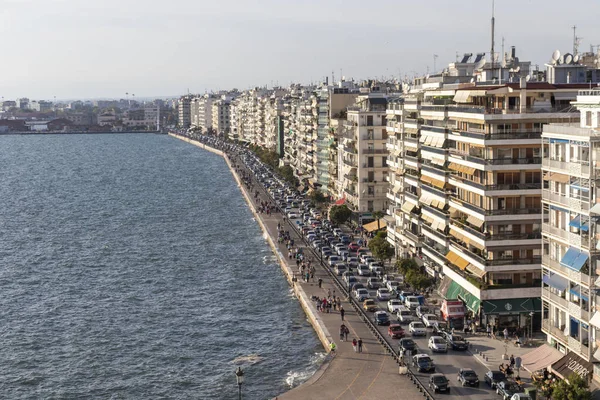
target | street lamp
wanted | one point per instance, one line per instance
(239, 375)
(531, 314)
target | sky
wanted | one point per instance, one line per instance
(151, 48)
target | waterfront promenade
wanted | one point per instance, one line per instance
(371, 374)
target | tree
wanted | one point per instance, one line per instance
(317, 197)
(406, 264)
(287, 173)
(417, 279)
(378, 215)
(381, 248)
(575, 389)
(339, 214)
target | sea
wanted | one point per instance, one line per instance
(132, 268)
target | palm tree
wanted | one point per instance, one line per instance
(378, 215)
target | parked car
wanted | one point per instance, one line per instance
(520, 396)
(438, 383)
(493, 378)
(394, 305)
(507, 389)
(395, 331)
(423, 363)
(456, 342)
(383, 294)
(369, 305)
(467, 377)
(417, 329)
(437, 344)
(381, 318)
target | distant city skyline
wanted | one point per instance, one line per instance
(73, 49)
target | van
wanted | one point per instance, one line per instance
(405, 316)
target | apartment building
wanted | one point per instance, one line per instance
(362, 155)
(184, 111)
(465, 173)
(570, 212)
(221, 117)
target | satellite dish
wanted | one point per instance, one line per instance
(568, 58)
(556, 55)
(561, 60)
(480, 64)
(527, 78)
(576, 58)
(517, 69)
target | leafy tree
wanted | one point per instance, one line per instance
(287, 173)
(417, 279)
(406, 264)
(381, 248)
(575, 389)
(339, 214)
(378, 215)
(317, 197)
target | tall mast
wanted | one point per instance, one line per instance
(493, 37)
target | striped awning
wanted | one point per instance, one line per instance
(457, 260)
(461, 168)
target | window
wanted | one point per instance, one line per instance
(370, 163)
(371, 190)
(369, 120)
(370, 205)
(588, 118)
(532, 177)
(370, 135)
(371, 176)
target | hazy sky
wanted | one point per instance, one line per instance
(88, 48)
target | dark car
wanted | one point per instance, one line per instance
(423, 363)
(507, 388)
(467, 377)
(456, 342)
(381, 318)
(440, 327)
(492, 378)
(407, 344)
(439, 383)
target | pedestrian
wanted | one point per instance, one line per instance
(332, 347)
(342, 332)
(488, 329)
(320, 282)
(360, 343)
(505, 332)
(512, 361)
(354, 344)
(328, 293)
(346, 332)
(342, 312)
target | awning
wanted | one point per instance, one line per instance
(340, 201)
(461, 96)
(438, 161)
(572, 364)
(512, 306)
(576, 290)
(565, 95)
(556, 177)
(576, 222)
(443, 288)
(470, 300)
(475, 270)
(574, 259)
(540, 358)
(473, 220)
(457, 260)
(556, 281)
(408, 207)
(595, 320)
(372, 226)
(595, 209)
(579, 261)
(426, 198)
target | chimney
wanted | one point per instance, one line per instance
(523, 94)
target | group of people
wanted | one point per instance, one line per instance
(494, 332)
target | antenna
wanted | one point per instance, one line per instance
(435, 56)
(493, 32)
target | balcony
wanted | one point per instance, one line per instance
(570, 202)
(434, 232)
(435, 150)
(431, 128)
(374, 151)
(572, 238)
(412, 196)
(497, 261)
(413, 237)
(511, 186)
(351, 150)
(556, 331)
(436, 251)
(575, 276)
(472, 133)
(573, 168)
(432, 210)
(349, 163)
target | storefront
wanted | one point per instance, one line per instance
(513, 313)
(472, 303)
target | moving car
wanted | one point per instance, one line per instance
(395, 331)
(374, 283)
(412, 302)
(406, 345)
(361, 294)
(440, 327)
(429, 319)
(363, 270)
(507, 388)
(423, 363)
(417, 329)
(383, 294)
(437, 344)
(404, 315)
(381, 318)
(394, 305)
(456, 342)
(369, 305)
(467, 377)
(340, 268)
(493, 378)
(438, 383)
(422, 310)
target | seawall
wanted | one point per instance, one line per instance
(307, 305)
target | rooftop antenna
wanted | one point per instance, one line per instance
(435, 56)
(493, 33)
(575, 39)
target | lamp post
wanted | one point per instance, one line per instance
(531, 314)
(239, 375)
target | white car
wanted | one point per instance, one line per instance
(363, 270)
(392, 286)
(366, 256)
(437, 344)
(293, 215)
(412, 302)
(333, 260)
(374, 264)
(377, 271)
(422, 310)
(361, 294)
(429, 319)
(417, 329)
(383, 294)
(394, 305)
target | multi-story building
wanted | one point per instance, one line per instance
(363, 155)
(570, 212)
(184, 111)
(466, 187)
(221, 117)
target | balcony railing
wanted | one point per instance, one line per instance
(582, 204)
(415, 238)
(469, 229)
(374, 151)
(512, 186)
(409, 195)
(571, 168)
(576, 276)
(435, 150)
(497, 261)
(500, 136)
(437, 251)
(431, 128)
(556, 331)
(434, 232)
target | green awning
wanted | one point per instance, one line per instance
(455, 291)
(512, 306)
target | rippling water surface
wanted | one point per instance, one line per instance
(131, 267)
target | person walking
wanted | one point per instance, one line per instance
(360, 344)
(505, 332)
(342, 332)
(332, 347)
(320, 281)
(512, 361)
(342, 312)
(346, 332)
(354, 345)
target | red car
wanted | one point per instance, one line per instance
(353, 247)
(395, 331)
